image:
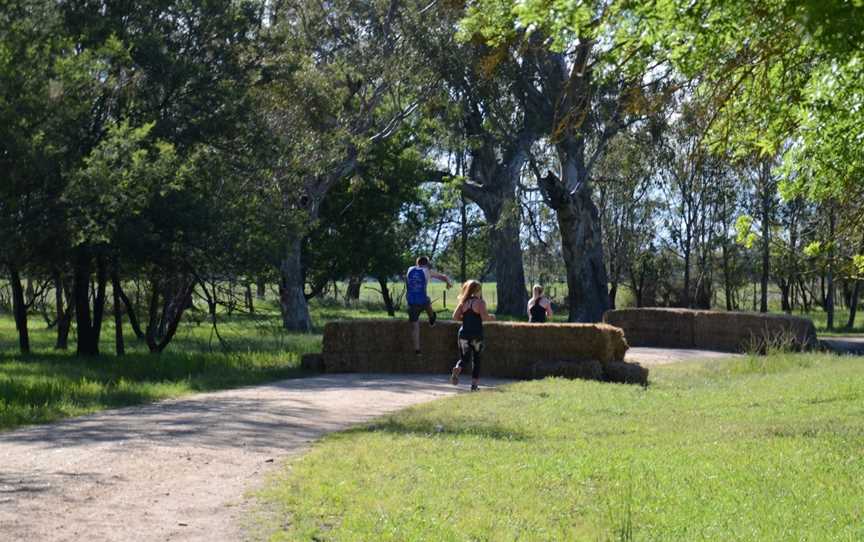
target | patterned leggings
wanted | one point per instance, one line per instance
(469, 352)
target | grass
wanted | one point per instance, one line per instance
(49, 385)
(764, 448)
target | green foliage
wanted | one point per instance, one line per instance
(745, 235)
(368, 222)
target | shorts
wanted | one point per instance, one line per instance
(415, 310)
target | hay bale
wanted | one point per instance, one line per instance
(587, 370)
(750, 331)
(511, 347)
(658, 327)
(312, 362)
(625, 373)
(712, 330)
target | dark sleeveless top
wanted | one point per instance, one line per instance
(472, 322)
(537, 314)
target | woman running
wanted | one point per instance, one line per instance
(471, 311)
(539, 306)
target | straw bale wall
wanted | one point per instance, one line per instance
(711, 330)
(511, 348)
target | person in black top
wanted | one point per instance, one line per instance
(472, 312)
(539, 306)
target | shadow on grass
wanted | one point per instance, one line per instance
(44, 387)
(429, 428)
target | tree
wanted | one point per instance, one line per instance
(339, 78)
(368, 221)
(624, 185)
(588, 83)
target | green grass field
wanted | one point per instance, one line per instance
(767, 448)
(49, 385)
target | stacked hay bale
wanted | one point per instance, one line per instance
(712, 330)
(751, 331)
(512, 348)
(666, 328)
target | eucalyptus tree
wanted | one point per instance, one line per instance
(481, 112)
(589, 81)
(340, 77)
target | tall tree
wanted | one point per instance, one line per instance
(339, 78)
(589, 82)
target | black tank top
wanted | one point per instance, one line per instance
(537, 314)
(472, 322)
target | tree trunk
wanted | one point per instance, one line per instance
(385, 294)
(509, 269)
(295, 311)
(250, 304)
(685, 300)
(613, 292)
(64, 314)
(766, 252)
(176, 293)
(727, 276)
(494, 177)
(856, 292)
(829, 279)
(579, 222)
(352, 292)
(853, 304)
(463, 238)
(81, 294)
(785, 290)
(261, 288)
(19, 308)
(119, 344)
(130, 311)
(153, 315)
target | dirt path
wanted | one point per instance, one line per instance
(844, 344)
(178, 470)
(648, 357)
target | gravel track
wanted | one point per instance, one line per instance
(180, 469)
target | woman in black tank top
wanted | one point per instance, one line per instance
(539, 307)
(472, 312)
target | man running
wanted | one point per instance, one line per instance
(417, 279)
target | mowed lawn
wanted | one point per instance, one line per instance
(767, 448)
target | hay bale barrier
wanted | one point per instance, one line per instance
(726, 331)
(512, 348)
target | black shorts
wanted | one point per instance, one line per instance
(415, 310)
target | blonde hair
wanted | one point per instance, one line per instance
(538, 291)
(469, 288)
